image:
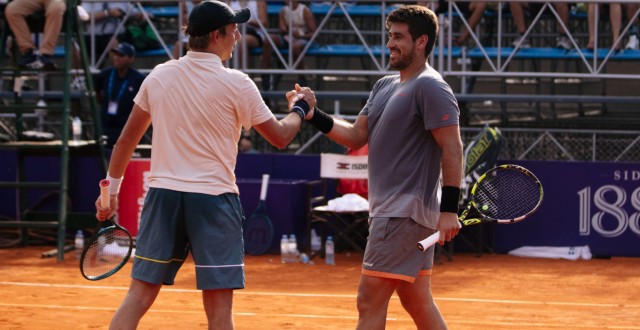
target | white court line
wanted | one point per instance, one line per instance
(449, 321)
(165, 311)
(353, 296)
(312, 316)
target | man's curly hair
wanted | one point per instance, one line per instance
(421, 21)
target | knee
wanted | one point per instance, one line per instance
(11, 12)
(56, 8)
(421, 307)
(364, 305)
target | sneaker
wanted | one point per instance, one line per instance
(47, 62)
(78, 83)
(563, 42)
(525, 42)
(633, 42)
(30, 60)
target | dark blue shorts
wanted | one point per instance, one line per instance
(173, 223)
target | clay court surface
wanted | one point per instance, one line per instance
(489, 292)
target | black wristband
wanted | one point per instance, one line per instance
(322, 121)
(301, 107)
(450, 199)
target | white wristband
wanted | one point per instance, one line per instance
(114, 187)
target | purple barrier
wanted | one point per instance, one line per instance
(594, 204)
(286, 206)
(279, 166)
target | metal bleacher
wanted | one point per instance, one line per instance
(495, 82)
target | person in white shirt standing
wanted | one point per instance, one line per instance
(197, 108)
(303, 25)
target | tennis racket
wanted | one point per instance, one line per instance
(504, 194)
(258, 230)
(109, 247)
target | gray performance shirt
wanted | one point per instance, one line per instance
(404, 158)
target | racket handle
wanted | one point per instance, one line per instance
(263, 189)
(104, 193)
(427, 242)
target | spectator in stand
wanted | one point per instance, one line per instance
(185, 7)
(615, 17)
(16, 12)
(518, 10)
(107, 16)
(245, 145)
(473, 11)
(116, 87)
(632, 43)
(254, 36)
(303, 27)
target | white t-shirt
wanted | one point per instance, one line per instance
(197, 109)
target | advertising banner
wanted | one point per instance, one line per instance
(132, 194)
(594, 204)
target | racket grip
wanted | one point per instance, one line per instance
(427, 242)
(104, 193)
(263, 188)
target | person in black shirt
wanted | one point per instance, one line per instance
(116, 87)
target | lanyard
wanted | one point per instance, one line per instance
(124, 85)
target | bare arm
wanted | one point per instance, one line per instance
(134, 129)
(280, 132)
(311, 23)
(262, 13)
(283, 26)
(448, 138)
(353, 136)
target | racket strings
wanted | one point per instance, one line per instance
(107, 253)
(507, 194)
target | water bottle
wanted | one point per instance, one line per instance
(316, 242)
(293, 249)
(77, 129)
(284, 249)
(329, 251)
(79, 244)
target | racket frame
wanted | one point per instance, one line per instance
(99, 231)
(472, 209)
(260, 213)
(471, 206)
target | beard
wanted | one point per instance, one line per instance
(401, 62)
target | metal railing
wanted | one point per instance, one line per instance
(443, 58)
(517, 144)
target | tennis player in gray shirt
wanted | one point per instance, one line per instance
(411, 123)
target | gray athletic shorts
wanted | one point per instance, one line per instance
(173, 223)
(392, 250)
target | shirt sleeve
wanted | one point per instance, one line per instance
(439, 105)
(250, 106)
(142, 98)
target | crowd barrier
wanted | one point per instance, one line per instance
(585, 203)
